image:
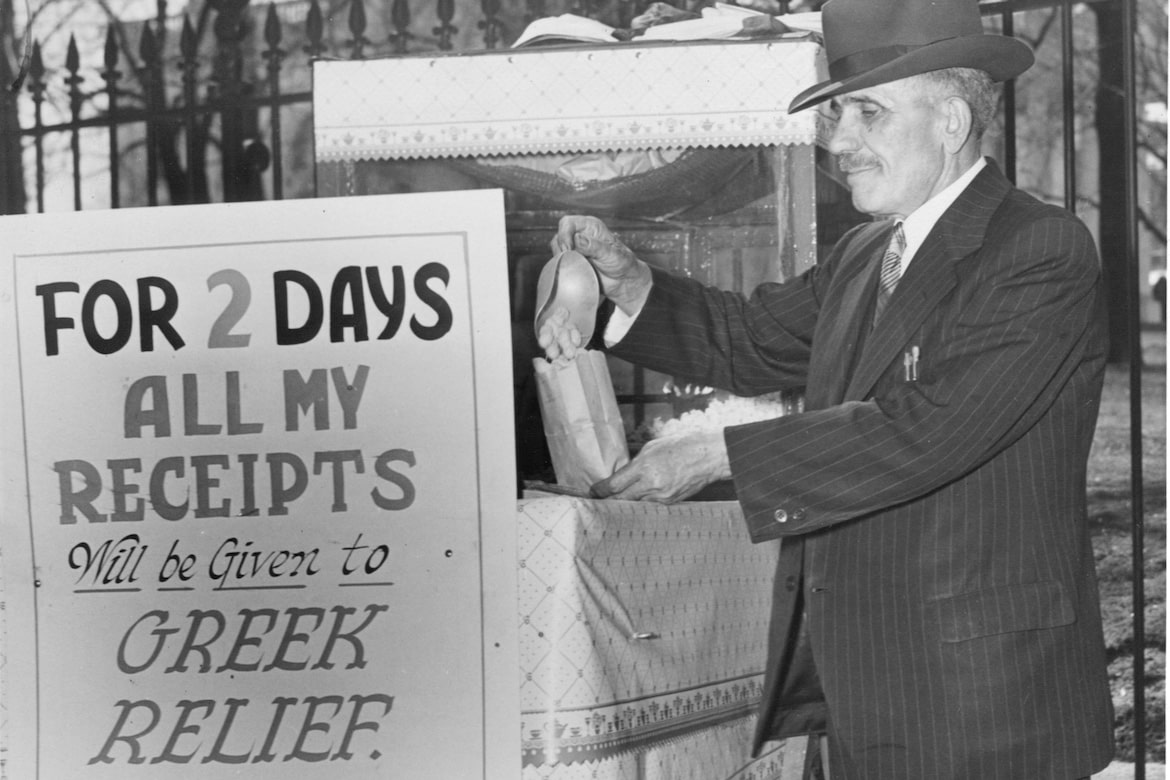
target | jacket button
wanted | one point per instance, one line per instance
(780, 515)
(798, 514)
(790, 582)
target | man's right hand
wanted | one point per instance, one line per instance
(625, 279)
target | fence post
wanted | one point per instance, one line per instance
(400, 20)
(74, 80)
(12, 192)
(243, 156)
(357, 28)
(36, 86)
(110, 74)
(275, 55)
(194, 135)
(446, 12)
(151, 75)
(490, 24)
(315, 31)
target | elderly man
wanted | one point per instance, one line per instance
(935, 606)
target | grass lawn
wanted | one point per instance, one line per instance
(1110, 519)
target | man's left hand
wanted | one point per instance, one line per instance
(670, 469)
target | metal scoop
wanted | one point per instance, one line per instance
(568, 280)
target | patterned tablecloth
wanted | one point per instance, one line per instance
(642, 641)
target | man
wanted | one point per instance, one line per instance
(935, 606)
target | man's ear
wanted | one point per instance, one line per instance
(956, 121)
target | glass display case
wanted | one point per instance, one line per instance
(685, 149)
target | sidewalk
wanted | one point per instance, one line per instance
(1121, 771)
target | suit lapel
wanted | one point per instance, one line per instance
(930, 276)
(828, 377)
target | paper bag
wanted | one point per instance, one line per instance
(582, 424)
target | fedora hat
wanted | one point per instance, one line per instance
(871, 42)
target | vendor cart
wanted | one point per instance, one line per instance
(685, 149)
(687, 152)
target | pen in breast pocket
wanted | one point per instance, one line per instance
(910, 363)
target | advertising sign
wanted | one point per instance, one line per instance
(258, 491)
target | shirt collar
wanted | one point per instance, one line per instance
(918, 225)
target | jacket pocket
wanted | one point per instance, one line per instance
(1032, 605)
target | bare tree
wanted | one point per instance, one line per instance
(1098, 117)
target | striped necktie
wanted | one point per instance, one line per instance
(891, 271)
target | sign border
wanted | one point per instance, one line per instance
(28, 237)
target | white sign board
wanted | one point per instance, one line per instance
(258, 491)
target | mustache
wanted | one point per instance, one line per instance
(855, 162)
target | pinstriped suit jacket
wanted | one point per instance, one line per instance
(936, 564)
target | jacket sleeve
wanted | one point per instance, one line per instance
(1023, 318)
(720, 339)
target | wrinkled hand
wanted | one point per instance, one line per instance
(669, 470)
(625, 279)
(559, 337)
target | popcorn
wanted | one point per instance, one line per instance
(731, 410)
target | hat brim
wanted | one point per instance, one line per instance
(1000, 56)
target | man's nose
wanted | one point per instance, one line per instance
(842, 138)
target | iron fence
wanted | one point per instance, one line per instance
(161, 106)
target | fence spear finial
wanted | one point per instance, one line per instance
(315, 30)
(357, 27)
